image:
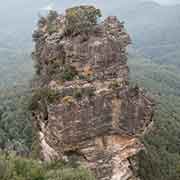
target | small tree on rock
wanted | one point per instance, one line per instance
(81, 19)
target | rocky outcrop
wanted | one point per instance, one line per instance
(84, 106)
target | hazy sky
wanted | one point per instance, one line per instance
(168, 1)
(162, 2)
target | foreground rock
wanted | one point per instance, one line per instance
(84, 108)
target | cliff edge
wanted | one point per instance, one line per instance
(84, 108)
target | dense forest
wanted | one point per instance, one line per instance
(162, 158)
(160, 161)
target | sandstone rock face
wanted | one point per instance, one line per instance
(95, 116)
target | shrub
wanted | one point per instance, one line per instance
(57, 70)
(49, 94)
(52, 15)
(114, 85)
(78, 93)
(69, 73)
(52, 28)
(18, 168)
(39, 95)
(68, 100)
(82, 77)
(70, 174)
(81, 19)
(51, 22)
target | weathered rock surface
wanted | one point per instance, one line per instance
(96, 116)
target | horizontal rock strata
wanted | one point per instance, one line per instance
(94, 115)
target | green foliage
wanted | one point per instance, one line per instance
(35, 146)
(69, 72)
(78, 94)
(162, 157)
(52, 15)
(18, 168)
(114, 85)
(81, 19)
(47, 93)
(15, 120)
(161, 161)
(70, 174)
(157, 78)
(56, 69)
(51, 22)
(42, 95)
(162, 144)
(52, 28)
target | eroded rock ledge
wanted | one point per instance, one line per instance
(83, 105)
